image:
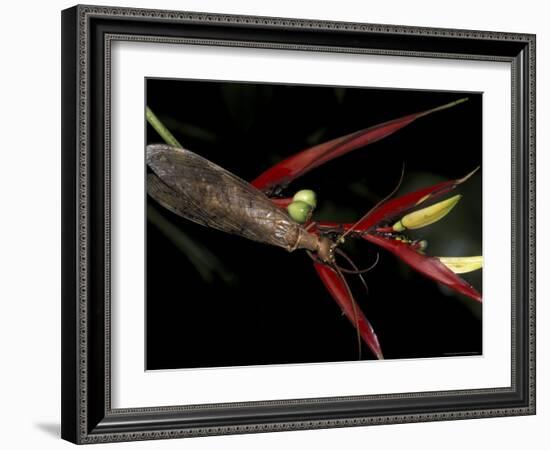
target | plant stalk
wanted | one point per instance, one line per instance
(161, 129)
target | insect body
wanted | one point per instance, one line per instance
(201, 191)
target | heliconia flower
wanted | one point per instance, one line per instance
(376, 227)
(387, 219)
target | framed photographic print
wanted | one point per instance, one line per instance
(281, 224)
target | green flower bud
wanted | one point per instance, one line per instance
(306, 195)
(299, 211)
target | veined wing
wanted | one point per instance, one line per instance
(203, 192)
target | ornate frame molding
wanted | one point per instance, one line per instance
(87, 423)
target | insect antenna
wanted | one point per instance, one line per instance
(356, 270)
(369, 212)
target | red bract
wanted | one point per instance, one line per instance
(426, 265)
(373, 228)
(340, 292)
(395, 207)
(282, 202)
(298, 164)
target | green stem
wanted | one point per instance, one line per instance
(441, 108)
(161, 129)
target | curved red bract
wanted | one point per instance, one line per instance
(302, 162)
(397, 206)
(427, 265)
(282, 202)
(306, 160)
(340, 293)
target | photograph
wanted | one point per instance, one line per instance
(300, 224)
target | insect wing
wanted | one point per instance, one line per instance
(199, 190)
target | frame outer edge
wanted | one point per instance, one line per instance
(298, 23)
(531, 148)
(69, 289)
(75, 217)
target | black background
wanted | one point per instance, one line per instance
(237, 302)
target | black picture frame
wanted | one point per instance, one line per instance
(87, 33)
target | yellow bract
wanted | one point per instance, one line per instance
(426, 216)
(463, 264)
